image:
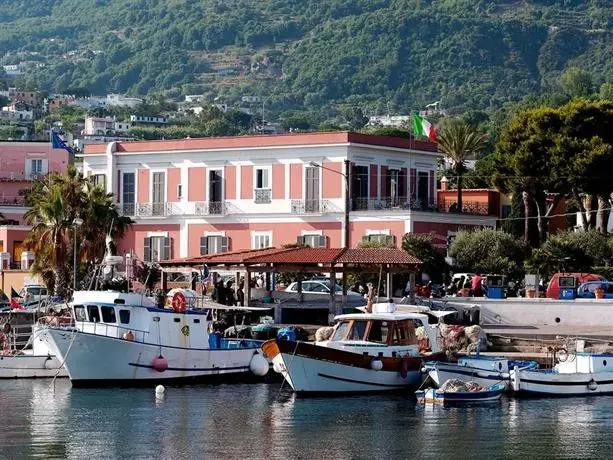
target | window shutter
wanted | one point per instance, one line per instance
(204, 245)
(300, 240)
(147, 252)
(225, 243)
(322, 241)
(167, 242)
(389, 240)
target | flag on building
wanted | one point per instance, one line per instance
(58, 143)
(422, 127)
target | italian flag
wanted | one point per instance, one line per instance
(422, 127)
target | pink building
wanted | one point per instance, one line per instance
(201, 196)
(20, 164)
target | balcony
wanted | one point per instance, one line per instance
(210, 208)
(305, 207)
(404, 204)
(17, 201)
(263, 195)
(196, 208)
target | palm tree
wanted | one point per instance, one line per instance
(459, 141)
(50, 236)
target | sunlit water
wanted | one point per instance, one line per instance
(260, 421)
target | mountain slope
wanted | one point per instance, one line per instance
(469, 53)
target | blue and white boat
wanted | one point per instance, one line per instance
(122, 338)
(432, 395)
(577, 374)
(484, 370)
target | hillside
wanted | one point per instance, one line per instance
(314, 53)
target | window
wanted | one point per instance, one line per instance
(79, 313)
(379, 331)
(108, 315)
(358, 328)
(423, 187)
(99, 179)
(179, 191)
(261, 178)
(314, 286)
(124, 316)
(158, 194)
(261, 240)
(128, 193)
(157, 248)
(37, 166)
(312, 241)
(93, 313)
(213, 244)
(404, 333)
(341, 331)
(379, 238)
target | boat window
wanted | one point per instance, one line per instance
(124, 316)
(404, 333)
(79, 313)
(196, 321)
(358, 328)
(93, 313)
(341, 331)
(108, 315)
(379, 331)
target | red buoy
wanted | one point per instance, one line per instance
(160, 364)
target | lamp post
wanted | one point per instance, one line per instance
(346, 175)
(263, 104)
(77, 223)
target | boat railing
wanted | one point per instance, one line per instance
(20, 336)
(112, 330)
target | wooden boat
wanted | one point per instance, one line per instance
(578, 374)
(484, 370)
(368, 352)
(432, 395)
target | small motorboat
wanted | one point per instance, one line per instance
(484, 370)
(367, 352)
(576, 374)
(454, 391)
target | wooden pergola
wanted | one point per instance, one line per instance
(305, 260)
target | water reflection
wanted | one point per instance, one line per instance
(258, 421)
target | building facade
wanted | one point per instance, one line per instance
(201, 196)
(21, 163)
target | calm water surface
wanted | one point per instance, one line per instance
(259, 421)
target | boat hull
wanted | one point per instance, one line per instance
(30, 367)
(310, 369)
(96, 359)
(441, 372)
(556, 384)
(492, 393)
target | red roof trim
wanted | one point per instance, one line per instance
(338, 137)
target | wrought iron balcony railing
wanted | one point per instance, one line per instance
(263, 195)
(302, 207)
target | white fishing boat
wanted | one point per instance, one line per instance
(122, 338)
(28, 363)
(484, 370)
(367, 352)
(578, 374)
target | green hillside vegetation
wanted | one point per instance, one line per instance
(310, 53)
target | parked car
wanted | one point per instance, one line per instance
(34, 293)
(553, 288)
(588, 290)
(317, 286)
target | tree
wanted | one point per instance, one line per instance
(606, 91)
(488, 251)
(459, 141)
(576, 82)
(355, 117)
(422, 247)
(55, 202)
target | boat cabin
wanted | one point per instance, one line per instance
(392, 331)
(135, 317)
(586, 363)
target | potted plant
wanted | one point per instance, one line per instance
(531, 293)
(599, 292)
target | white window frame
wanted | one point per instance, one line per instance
(151, 172)
(207, 172)
(312, 235)
(36, 161)
(268, 170)
(257, 235)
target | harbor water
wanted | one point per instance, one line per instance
(45, 420)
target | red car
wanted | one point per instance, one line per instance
(553, 288)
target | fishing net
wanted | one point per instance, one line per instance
(456, 385)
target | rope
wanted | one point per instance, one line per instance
(74, 336)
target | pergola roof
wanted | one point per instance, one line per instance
(354, 259)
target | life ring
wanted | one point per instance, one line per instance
(178, 302)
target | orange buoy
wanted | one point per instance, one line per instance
(179, 302)
(160, 364)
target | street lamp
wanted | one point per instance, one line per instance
(263, 103)
(346, 176)
(77, 223)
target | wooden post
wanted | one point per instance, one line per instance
(332, 304)
(299, 281)
(247, 287)
(388, 282)
(412, 286)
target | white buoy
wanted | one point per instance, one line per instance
(259, 365)
(159, 390)
(376, 364)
